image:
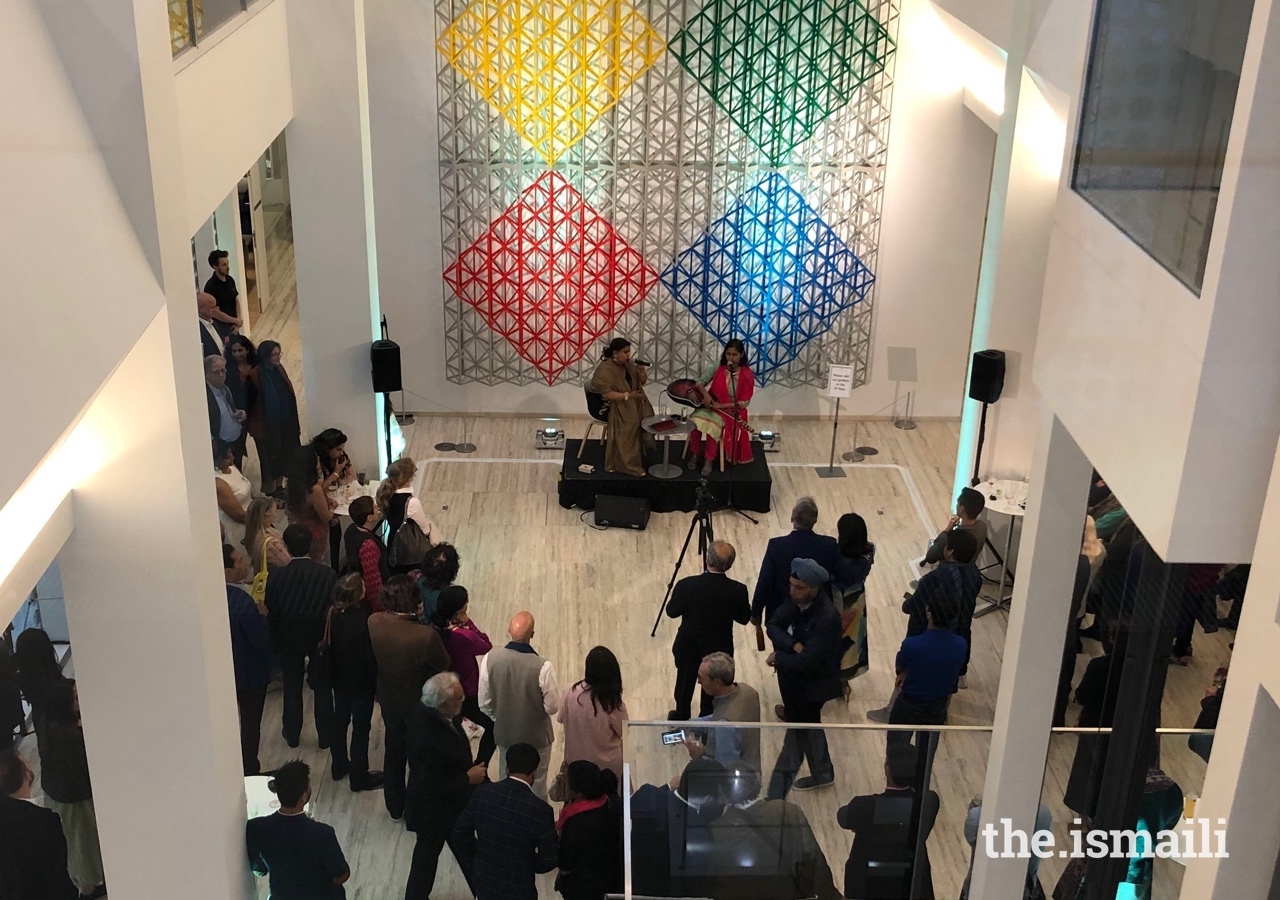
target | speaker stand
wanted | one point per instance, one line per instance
(982, 436)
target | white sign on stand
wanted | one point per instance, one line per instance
(840, 382)
(839, 387)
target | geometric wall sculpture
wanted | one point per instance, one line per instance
(650, 152)
(551, 68)
(780, 68)
(771, 272)
(551, 276)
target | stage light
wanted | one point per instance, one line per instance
(549, 439)
(770, 440)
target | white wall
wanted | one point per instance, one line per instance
(51, 172)
(234, 99)
(939, 161)
(1182, 433)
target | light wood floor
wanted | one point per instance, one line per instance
(521, 550)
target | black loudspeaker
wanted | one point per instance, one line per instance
(987, 380)
(622, 512)
(385, 357)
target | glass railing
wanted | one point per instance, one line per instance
(191, 20)
(714, 810)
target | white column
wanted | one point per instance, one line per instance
(145, 600)
(331, 190)
(1033, 646)
(148, 624)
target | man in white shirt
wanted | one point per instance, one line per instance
(518, 690)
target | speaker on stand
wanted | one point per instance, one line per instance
(384, 362)
(986, 383)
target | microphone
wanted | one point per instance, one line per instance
(643, 362)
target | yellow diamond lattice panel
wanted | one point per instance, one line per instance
(551, 69)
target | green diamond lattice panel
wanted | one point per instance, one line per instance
(780, 67)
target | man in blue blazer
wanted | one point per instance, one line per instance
(507, 834)
(773, 587)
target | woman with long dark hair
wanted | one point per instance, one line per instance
(64, 775)
(335, 469)
(849, 587)
(465, 641)
(726, 390)
(241, 357)
(593, 714)
(621, 382)
(309, 503)
(38, 667)
(273, 415)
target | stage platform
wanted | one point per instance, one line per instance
(752, 484)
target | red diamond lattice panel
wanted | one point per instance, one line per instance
(551, 275)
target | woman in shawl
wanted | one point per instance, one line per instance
(621, 382)
(857, 555)
(726, 390)
(273, 417)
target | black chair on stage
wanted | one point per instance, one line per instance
(598, 408)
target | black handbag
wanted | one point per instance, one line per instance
(320, 666)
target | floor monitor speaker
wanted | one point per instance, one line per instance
(987, 380)
(385, 358)
(622, 512)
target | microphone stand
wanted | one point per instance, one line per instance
(734, 430)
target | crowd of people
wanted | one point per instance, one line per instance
(414, 651)
(373, 619)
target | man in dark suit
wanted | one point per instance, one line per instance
(441, 779)
(707, 606)
(33, 850)
(215, 325)
(881, 824)
(806, 652)
(226, 420)
(773, 587)
(298, 600)
(507, 834)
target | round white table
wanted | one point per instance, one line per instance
(1005, 497)
(345, 493)
(678, 426)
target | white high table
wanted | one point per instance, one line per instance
(1006, 497)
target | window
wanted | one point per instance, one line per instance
(1159, 95)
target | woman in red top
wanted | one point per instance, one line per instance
(465, 642)
(725, 390)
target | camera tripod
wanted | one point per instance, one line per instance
(701, 522)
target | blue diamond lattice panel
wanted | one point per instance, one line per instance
(771, 272)
(661, 164)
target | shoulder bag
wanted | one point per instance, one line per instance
(410, 546)
(320, 667)
(258, 590)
